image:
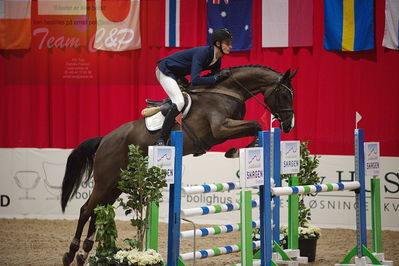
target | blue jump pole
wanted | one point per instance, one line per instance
(266, 249)
(175, 202)
(361, 196)
(277, 181)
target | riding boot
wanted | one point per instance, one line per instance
(167, 125)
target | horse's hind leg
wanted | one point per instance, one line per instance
(97, 197)
(75, 243)
(86, 211)
(88, 242)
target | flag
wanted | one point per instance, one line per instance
(172, 23)
(236, 16)
(182, 25)
(391, 34)
(15, 24)
(287, 23)
(348, 25)
(358, 118)
(62, 7)
(118, 25)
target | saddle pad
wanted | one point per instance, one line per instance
(155, 121)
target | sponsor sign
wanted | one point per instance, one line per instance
(164, 158)
(372, 158)
(251, 167)
(290, 157)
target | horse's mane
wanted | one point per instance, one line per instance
(254, 66)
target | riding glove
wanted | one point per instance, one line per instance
(223, 74)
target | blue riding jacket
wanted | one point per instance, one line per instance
(191, 62)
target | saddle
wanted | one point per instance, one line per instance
(155, 111)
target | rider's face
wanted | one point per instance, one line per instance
(227, 46)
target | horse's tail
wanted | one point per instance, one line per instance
(80, 162)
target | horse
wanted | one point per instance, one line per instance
(216, 115)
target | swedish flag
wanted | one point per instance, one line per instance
(348, 25)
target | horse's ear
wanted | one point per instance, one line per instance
(286, 75)
(292, 75)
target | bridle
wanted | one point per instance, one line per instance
(277, 90)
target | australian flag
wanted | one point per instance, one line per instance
(234, 15)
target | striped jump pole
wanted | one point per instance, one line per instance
(215, 209)
(215, 230)
(211, 188)
(299, 190)
(202, 254)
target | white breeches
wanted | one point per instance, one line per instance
(171, 88)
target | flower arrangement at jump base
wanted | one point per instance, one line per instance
(136, 257)
(307, 232)
(142, 186)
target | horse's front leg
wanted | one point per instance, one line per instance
(233, 129)
(233, 152)
(253, 143)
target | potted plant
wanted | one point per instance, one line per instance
(308, 236)
(142, 186)
(307, 233)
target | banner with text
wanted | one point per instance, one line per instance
(30, 187)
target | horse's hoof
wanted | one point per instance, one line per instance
(80, 260)
(199, 154)
(232, 153)
(66, 259)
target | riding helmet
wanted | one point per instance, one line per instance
(221, 35)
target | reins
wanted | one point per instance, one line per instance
(252, 95)
(275, 114)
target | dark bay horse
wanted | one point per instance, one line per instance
(216, 115)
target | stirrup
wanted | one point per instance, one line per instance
(159, 142)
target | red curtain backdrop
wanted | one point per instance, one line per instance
(56, 97)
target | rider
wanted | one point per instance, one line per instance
(191, 62)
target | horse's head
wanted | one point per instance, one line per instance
(280, 101)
